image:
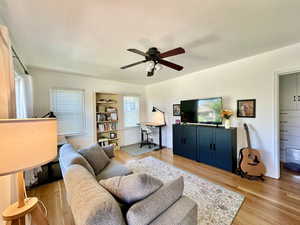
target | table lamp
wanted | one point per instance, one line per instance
(26, 144)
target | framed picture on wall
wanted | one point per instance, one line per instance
(176, 109)
(246, 108)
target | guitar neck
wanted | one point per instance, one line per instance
(248, 136)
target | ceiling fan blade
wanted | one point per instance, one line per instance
(170, 64)
(137, 52)
(172, 52)
(133, 64)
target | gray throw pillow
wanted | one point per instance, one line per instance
(131, 188)
(96, 157)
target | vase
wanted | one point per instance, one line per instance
(227, 124)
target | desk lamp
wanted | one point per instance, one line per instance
(26, 144)
(154, 109)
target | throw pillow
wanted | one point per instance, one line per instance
(96, 157)
(131, 188)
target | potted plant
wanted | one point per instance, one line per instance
(226, 114)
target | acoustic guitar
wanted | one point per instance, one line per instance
(250, 162)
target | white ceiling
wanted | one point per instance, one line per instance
(91, 36)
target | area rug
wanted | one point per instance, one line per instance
(216, 204)
(135, 149)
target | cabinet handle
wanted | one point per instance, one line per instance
(295, 98)
(214, 146)
(298, 98)
(210, 146)
(288, 113)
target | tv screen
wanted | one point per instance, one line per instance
(201, 111)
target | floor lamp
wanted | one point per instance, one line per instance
(26, 144)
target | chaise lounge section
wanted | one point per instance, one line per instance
(92, 204)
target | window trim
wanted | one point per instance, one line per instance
(84, 122)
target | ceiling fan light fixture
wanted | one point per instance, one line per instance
(158, 67)
(149, 66)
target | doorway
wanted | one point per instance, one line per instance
(289, 125)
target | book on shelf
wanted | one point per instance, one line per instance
(107, 127)
(112, 117)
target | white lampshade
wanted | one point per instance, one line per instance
(26, 143)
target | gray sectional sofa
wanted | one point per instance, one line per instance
(92, 204)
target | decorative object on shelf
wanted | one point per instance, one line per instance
(246, 108)
(176, 109)
(113, 135)
(177, 121)
(21, 141)
(226, 114)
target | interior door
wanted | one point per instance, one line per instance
(288, 92)
(205, 145)
(223, 149)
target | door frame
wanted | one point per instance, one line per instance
(276, 100)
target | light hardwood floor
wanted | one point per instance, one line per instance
(275, 202)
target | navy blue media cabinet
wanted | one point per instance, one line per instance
(215, 146)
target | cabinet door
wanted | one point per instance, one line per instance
(189, 149)
(288, 92)
(223, 149)
(178, 132)
(205, 144)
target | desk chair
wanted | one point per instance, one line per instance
(146, 136)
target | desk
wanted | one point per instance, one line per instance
(159, 125)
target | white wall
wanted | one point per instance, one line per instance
(43, 80)
(251, 77)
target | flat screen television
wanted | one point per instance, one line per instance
(206, 111)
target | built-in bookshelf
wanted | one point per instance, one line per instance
(107, 119)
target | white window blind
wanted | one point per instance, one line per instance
(68, 107)
(131, 111)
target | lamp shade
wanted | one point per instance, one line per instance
(26, 143)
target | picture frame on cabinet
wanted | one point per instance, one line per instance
(246, 108)
(176, 109)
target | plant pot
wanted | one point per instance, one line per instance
(227, 124)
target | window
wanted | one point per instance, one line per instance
(131, 111)
(68, 107)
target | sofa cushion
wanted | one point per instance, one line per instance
(96, 157)
(109, 151)
(145, 211)
(114, 168)
(91, 204)
(182, 212)
(132, 188)
(69, 156)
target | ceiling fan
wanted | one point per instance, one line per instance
(154, 58)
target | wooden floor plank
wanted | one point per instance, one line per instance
(273, 202)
